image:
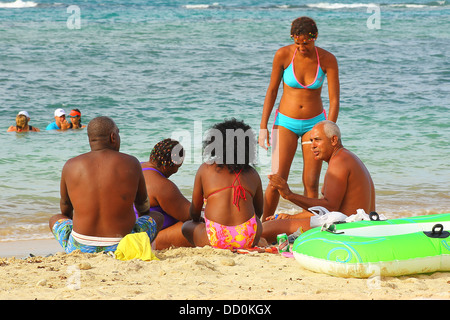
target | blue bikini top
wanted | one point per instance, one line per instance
(290, 79)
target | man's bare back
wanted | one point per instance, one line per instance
(103, 186)
(354, 179)
(98, 188)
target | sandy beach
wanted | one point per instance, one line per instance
(190, 274)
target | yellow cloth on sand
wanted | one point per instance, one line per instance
(135, 246)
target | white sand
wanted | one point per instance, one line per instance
(190, 273)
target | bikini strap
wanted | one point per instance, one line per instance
(293, 56)
(153, 169)
(318, 61)
(238, 191)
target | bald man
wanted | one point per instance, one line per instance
(98, 190)
(347, 186)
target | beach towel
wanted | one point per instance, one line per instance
(362, 215)
(324, 217)
(255, 250)
(135, 246)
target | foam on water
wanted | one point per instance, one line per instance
(18, 4)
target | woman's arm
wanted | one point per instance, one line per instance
(271, 96)
(332, 71)
(258, 199)
(65, 204)
(173, 202)
(195, 209)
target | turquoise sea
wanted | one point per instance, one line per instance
(173, 68)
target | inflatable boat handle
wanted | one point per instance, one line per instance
(437, 232)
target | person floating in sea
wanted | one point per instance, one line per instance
(347, 186)
(232, 189)
(60, 122)
(98, 190)
(302, 66)
(166, 158)
(75, 119)
(22, 123)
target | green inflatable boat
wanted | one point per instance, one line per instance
(364, 249)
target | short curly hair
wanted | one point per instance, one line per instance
(167, 153)
(100, 128)
(304, 26)
(231, 144)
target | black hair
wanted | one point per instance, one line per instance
(304, 26)
(77, 110)
(100, 128)
(231, 144)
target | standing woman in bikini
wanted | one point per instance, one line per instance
(302, 66)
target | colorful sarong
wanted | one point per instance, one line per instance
(62, 230)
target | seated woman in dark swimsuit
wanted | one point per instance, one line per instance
(164, 195)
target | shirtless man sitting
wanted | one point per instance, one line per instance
(347, 184)
(98, 190)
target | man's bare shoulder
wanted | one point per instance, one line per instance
(90, 158)
(77, 159)
(343, 160)
(128, 156)
(346, 159)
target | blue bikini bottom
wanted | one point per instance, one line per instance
(298, 126)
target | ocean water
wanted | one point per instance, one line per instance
(173, 68)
